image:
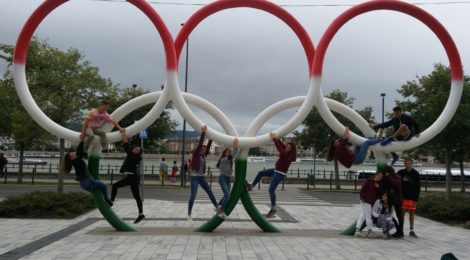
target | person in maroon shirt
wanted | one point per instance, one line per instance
(368, 195)
(287, 154)
(392, 184)
(341, 150)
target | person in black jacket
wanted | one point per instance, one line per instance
(405, 127)
(87, 182)
(411, 187)
(132, 178)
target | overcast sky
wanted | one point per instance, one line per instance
(244, 60)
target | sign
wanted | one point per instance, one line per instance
(143, 134)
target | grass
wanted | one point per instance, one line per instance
(39, 204)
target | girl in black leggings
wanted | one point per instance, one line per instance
(132, 178)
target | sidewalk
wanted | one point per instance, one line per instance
(309, 232)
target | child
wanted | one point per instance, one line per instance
(174, 170)
(368, 196)
(340, 148)
(132, 178)
(287, 155)
(198, 167)
(383, 211)
(87, 182)
(94, 122)
(225, 164)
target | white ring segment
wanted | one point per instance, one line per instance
(441, 122)
(334, 105)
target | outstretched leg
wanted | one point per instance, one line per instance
(360, 152)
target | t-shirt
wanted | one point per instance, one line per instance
(97, 118)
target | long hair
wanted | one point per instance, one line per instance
(330, 154)
(389, 169)
(293, 150)
(67, 163)
(389, 203)
(222, 156)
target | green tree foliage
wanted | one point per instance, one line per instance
(426, 98)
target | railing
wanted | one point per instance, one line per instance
(311, 179)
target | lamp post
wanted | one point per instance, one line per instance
(182, 172)
(134, 86)
(383, 106)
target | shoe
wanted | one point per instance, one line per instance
(222, 215)
(359, 234)
(395, 158)
(271, 213)
(109, 202)
(249, 186)
(398, 235)
(387, 141)
(370, 234)
(412, 234)
(386, 236)
(190, 219)
(139, 218)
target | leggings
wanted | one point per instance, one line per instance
(132, 180)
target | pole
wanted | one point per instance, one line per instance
(183, 174)
(383, 106)
(141, 166)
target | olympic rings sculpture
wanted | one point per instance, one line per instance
(314, 96)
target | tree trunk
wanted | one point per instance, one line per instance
(462, 176)
(20, 165)
(337, 180)
(60, 177)
(448, 175)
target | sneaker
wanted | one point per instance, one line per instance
(222, 215)
(271, 213)
(249, 186)
(398, 235)
(395, 158)
(359, 234)
(370, 234)
(139, 218)
(109, 202)
(386, 236)
(387, 141)
(190, 219)
(412, 234)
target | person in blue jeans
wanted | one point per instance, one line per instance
(340, 149)
(287, 155)
(87, 182)
(225, 165)
(198, 167)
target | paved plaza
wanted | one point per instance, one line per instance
(310, 226)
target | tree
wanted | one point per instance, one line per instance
(316, 133)
(427, 96)
(62, 83)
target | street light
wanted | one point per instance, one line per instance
(134, 86)
(383, 106)
(182, 173)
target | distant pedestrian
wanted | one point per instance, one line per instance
(132, 178)
(411, 188)
(368, 195)
(225, 165)
(198, 167)
(163, 170)
(87, 182)
(174, 170)
(287, 155)
(3, 164)
(94, 122)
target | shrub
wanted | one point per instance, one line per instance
(39, 204)
(455, 209)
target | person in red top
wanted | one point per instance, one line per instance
(368, 195)
(340, 149)
(287, 155)
(174, 170)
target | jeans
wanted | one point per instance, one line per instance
(386, 223)
(90, 183)
(224, 182)
(366, 214)
(360, 152)
(195, 182)
(132, 180)
(276, 179)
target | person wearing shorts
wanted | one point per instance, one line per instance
(411, 188)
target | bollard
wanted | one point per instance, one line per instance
(331, 180)
(112, 175)
(152, 169)
(32, 176)
(298, 176)
(426, 183)
(355, 181)
(50, 168)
